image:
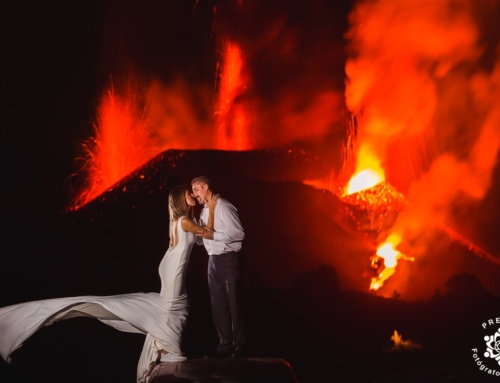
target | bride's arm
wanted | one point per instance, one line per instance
(189, 225)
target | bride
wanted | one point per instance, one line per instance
(161, 317)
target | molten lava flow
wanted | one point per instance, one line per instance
(387, 254)
(373, 204)
(233, 119)
(403, 344)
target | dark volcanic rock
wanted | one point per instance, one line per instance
(174, 167)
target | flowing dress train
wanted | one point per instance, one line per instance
(161, 317)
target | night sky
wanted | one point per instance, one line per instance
(59, 57)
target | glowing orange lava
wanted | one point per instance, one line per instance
(363, 180)
(390, 256)
(233, 119)
(403, 344)
(368, 172)
(120, 145)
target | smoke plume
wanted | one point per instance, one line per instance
(423, 77)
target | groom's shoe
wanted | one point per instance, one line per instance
(219, 355)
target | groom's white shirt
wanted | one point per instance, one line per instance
(228, 233)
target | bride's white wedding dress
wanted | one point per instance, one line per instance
(162, 317)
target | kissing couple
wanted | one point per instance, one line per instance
(160, 316)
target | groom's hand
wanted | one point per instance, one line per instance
(205, 234)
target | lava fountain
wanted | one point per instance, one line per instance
(232, 116)
(120, 144)
(368, 172)
(132, 126)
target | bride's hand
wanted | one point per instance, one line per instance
(213, 201)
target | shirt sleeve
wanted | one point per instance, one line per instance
(232, 231)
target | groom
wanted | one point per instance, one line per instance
(223, 245)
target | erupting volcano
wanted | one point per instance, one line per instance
(359, 141)
(409, 154)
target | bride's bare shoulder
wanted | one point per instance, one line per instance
(188, 224)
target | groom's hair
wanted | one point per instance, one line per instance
(202, 179)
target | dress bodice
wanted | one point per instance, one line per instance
(174, 263)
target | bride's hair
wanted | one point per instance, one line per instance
(177, 205)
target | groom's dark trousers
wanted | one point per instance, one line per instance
(224, 280)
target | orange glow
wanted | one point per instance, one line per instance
(387, 251)
(399, 84)
(233, 118)
(120, 145)
(363, 180)
(389, 254)
(325, 183)
(368, 173)
(403, 344)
